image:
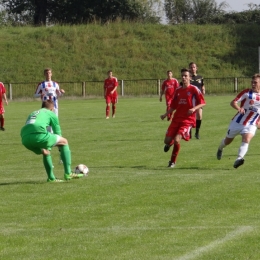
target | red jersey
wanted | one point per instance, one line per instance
(169, 86)
(183, 100)
(109, 85)
(2, 91)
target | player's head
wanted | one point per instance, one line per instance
(185, 76)
(193, 68)
(48, 104)
(184, 70)
(47, 73)
(255, 82)
(110, 73)
(169, 73)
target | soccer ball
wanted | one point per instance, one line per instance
(82, 168)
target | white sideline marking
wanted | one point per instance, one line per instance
(232, 235)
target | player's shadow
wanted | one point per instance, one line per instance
(24, 182)
(203, 169)
(160, 168)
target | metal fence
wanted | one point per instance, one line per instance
(138, 87)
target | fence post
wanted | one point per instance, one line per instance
(235, 85)
(122, 87)
(83, 89)
(10, 91)
(159, 86)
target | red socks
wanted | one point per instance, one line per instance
(107, 111)
(175, 152)
(113, 109)
(2, 122)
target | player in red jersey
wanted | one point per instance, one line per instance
(246, 120)
(110, 93)
(186, 101)
(2, 110)
(168, 88)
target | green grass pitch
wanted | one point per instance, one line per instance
(131, 206)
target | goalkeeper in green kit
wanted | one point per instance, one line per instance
(37, 139)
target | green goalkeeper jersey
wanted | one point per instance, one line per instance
(38, 121)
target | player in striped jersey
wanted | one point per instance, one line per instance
(49, 90)
(246, 120)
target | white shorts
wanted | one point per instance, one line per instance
(235, 129)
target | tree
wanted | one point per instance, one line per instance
(204, 10)
(40, 14)
(178, 11)
(252, 15)
(193, 11)
(79, 11)
(245, 17)
(28, 11)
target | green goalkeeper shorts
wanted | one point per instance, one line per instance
(37, 142)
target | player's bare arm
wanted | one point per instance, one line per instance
(59, 92)
(5, 99)
(114, 89)
(168, 112)
(192, 110)
(203, 90)
(234, 104)
(161, 96)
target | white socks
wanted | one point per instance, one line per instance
(242, 150)
(222, 145)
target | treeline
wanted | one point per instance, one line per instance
(208, 12)
(69, 12)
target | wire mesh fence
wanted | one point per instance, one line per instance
(137, 87)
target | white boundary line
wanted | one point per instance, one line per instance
(232, 235)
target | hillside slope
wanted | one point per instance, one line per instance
(132, 51)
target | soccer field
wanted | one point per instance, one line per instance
(131, 206)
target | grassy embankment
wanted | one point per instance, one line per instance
(133, 51)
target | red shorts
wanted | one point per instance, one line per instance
(2, 110)
(181, 128)
(168, 101)
(111, 99)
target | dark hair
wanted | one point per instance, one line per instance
(257, 75)
(191, 63)
(109, 71)
(169, 71)
(47, 104)
(185, 70)
(47, 69)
